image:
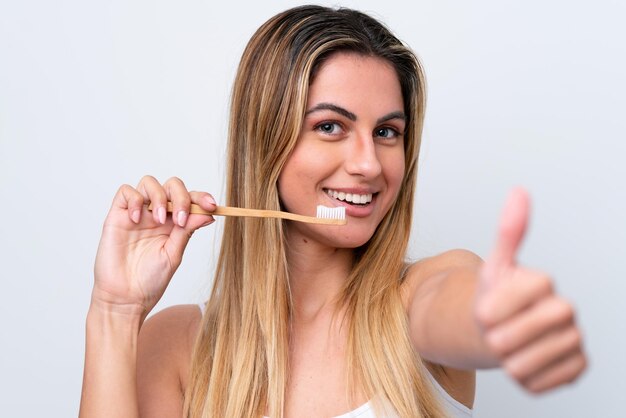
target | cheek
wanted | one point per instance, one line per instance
(297, 173)
(394, 169)
(305, 166)
(285, 182)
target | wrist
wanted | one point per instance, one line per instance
(112, 326)
(102, 303)
(105, 318)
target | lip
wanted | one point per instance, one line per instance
(361, 211)
(353, 190)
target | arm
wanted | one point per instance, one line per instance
(468, 314)
(139, 252)
(447, 339)
(110, 361)
(440, 308)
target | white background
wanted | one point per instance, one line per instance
(96, 94)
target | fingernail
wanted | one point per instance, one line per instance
(162, 214)
(135, 216)
(182, 218)
(211, 200)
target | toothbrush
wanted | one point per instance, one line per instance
(325, 215)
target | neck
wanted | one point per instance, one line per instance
(317, 275)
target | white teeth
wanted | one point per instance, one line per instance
(350, 197)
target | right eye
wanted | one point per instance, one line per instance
(329, 128)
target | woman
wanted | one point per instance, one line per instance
(311, 320)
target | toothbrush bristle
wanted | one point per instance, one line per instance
(331, 213)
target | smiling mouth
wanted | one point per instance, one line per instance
(351, 198)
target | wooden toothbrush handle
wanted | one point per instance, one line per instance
(259, 213)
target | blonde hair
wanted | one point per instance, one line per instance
(240, 361)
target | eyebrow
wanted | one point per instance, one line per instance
(352, 116)
(334, 108)
(392, 115)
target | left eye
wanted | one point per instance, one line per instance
(386, 133)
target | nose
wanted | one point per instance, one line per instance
(362, 158)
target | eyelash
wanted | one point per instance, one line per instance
(319, 127)
(394, 132)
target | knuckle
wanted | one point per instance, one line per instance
(184, 199)
(497, 345)
(536, 389)
(157, 193)
(584, 362)
(571, 378)
(147, 179)
(157, 197)
(580, 366)
(195, 196)
(558, 310)
(124, 188)
(544, 284)
(174, 179)
(576, 338)
(515, 370)
(531, 386)
(565, 310)
(130, 194)
(483, 312)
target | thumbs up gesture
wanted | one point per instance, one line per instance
(524, 323)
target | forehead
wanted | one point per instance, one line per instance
(352, 79)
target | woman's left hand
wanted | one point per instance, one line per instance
(524, 323)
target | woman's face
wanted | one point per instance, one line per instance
(350, 151)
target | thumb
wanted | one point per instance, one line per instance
(511, 230)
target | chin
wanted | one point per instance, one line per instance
(343, 237)
(348, 240)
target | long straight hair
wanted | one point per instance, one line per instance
(240, 361)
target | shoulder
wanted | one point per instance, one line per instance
(429, 271)
(164, 352)
(175, 319)
(451, 259)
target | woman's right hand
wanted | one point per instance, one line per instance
(140, 250)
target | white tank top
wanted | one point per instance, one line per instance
(453, 408)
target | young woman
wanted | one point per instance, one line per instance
(314, 320)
